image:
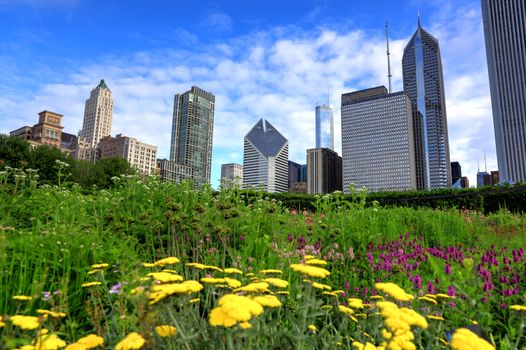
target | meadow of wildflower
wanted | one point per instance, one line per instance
(163, 266)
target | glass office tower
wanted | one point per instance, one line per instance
(324, 127)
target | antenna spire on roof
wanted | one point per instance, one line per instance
(419, 26)
(388, 55)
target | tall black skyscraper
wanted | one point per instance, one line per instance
(424, 84)
(505, 34)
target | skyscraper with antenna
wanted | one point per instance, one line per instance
(325, 125)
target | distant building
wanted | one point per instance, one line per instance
(324, 126)
(456, 175)
(265, 158)
(48, 131)
(324, 171)
(378, 144)
(294, 173)
(505, 35)
(231, 174)
(140, 155)
(174, 172)
(464, 182)
(192, 134)
(494, 176)
(424, 85)
(298, 187)
(303, 173)
(98, 114)
(483, 179)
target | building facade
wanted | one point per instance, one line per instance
(294, 172)
(140, 155)
(378, 144)
(325, 126)
(231, 175)
(265, 158)
(98, 114)
(48, 131)
(505, 35)
(456, 174)
(424, 84)
(192, 134)
(324, 171)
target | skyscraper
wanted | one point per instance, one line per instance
(324, 126)
(505, 35)
(231, 175)
(424, 84)
(324, 171)
(98, 114)
(139, 155)
(378, 146)
(192, 131)
(265, 158)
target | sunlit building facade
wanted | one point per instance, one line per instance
(424, 84)
(325, 126)
(505, 35)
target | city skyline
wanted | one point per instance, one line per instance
(287, 60)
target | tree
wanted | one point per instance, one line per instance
(14, 152)
(52, 164)
(110, 167)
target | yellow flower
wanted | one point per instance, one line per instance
(76, 346)
(91, 341)
(366, 346)
(394, 291)
(131, 342)
(232, 270)
(167, 261)
(518, 307)
(376, 297)
(271, 271)
(346, 310)
(51, 313)
(245, 325)
(276, 282)
(148, 264)
(434, 317)
(464, 339)
(432, 296)
(2, 324)
(165, 330)
(91, 284)
(282, 292)
(49, 342)
(99, 266)
(257, 287)
(193, 301)
(309, 257)
(311, 271)
(312, 328)
(267, 300)
(332, 294)
(25, 322)
(429, 300)
(320, 286)
(93, 272)
(355, 303)
(317, 262)
(162, 291)
(165, 277)
(444, 296)
(232, 309)
(22, 297)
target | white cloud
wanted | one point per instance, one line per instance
(278, 75)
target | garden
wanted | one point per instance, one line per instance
(150, 265)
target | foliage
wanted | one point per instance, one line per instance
(50, 235)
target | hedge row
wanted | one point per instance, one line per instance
(487, 199)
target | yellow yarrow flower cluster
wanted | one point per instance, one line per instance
(518, 307)
(88, 342)
(394, 291)
(230, 282)
(355, 303)
(132, 341)
(398, 322)
(51, 313)
(22, 297)
(271, 271)
(91, 284)
(231, 271)
(276, 282)
(311, 271)
(316, 262)
(161, 291)
(165, 330)
(165, 277)
(233, 309)
(49, 341)
(99, 266)
(25, 322)
(204, 267)
(267, 301)
(256, 287)
(320, 286)
(464, 339)
(367, 346)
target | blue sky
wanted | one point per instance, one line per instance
(270, 59)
